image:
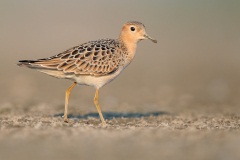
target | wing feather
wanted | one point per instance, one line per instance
(97, 58)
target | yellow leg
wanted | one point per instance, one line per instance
(68, 91)
(98, 108)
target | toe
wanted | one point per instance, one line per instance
(66, 120)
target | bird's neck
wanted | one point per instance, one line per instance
(130, 46)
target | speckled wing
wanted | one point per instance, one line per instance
(97, 58)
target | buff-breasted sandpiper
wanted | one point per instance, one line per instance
(94, 63)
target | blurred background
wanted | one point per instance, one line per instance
(194, 66)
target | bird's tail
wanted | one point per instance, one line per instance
(27, 63)
(40, 63)
(43, 65)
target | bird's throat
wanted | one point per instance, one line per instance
(131, 47)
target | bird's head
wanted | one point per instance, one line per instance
(134, 31)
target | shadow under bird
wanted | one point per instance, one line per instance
(94, 63)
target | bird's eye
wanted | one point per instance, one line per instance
(132, 28)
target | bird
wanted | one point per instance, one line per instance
(94, 63)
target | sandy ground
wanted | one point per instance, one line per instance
(155, 135)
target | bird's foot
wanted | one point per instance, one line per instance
(66, 120)
(103, 124)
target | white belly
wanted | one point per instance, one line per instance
(97, 82)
